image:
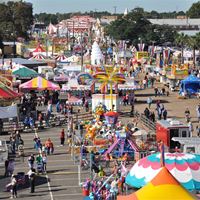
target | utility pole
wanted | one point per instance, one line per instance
(46, 40)
(73, 33)
(115, 9)
(81, 51)
(95, 12)
(106, 50)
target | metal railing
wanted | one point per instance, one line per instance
(145, 121)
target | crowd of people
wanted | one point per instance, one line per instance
(37, 163)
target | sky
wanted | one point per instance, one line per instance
(65, 6)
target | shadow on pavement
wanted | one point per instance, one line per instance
(22, 184)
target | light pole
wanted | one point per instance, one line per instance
(106, 50)
(81, 42)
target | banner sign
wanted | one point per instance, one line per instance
(8, 112)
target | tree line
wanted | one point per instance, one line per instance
(16, 19)
(193, 12)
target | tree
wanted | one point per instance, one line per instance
(15, 19)
(135, 25)
(193, 44)
(194, 11)
(181, 40)
(130, 27)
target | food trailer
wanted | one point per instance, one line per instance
(189, 145)
(167, 129)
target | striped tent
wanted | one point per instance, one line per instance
(162, 187)
(39, 83)
(7, 93)
(60, 58)
(37, 57)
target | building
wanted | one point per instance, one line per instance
(77, 25)
(182, 25)
(39, 28)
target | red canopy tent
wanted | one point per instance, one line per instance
(7, 93)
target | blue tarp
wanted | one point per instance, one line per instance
(191, 84)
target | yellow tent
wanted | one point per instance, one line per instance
(163, 187)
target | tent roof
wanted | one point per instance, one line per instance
(38, 56)
(39, 49)
(164, 186)
(7, 93)
(39, 83)
(191, 78)
(25, 72)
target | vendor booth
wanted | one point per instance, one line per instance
(190, 85)
(39, 83)
(167, 129)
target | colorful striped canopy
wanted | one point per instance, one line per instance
(39, 83)
(7, 93)
(162, 187)
(184, 167)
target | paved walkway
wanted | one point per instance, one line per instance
(61, 180)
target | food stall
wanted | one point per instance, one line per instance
(167, 129)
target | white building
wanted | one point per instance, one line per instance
(185, 25)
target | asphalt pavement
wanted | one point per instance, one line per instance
(61, 180)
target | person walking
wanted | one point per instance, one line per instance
(198, 131)
(149, 101)
(165, 114)
(62, 137)
(198, 113)
(44, 162)
(187, 115)
(156, 91)
(146, 112)
(86, 106)
(191, 129)
(13, 184)
(49, 145)
(83, 101)
(159, 112)
(31, 175)
(31, 161)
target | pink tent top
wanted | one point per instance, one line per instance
(39, 49)
(39, 83)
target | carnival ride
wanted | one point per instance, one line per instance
(110, 79)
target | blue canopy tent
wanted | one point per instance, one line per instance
(190, 85)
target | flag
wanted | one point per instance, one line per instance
(141, 46)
